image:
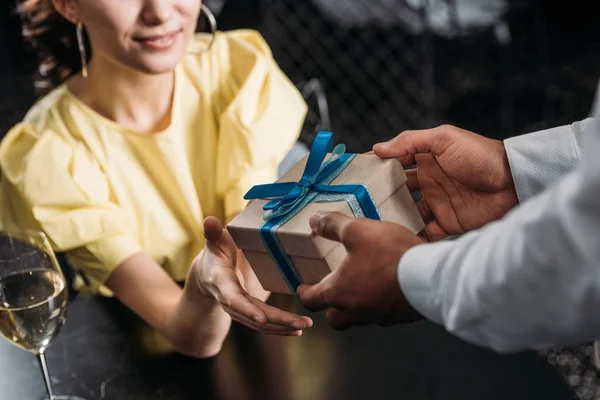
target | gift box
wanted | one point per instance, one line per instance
(274, 232)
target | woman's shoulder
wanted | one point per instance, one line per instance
(40, 130)
(43, 113)
(44, 118)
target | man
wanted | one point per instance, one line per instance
(525, 272)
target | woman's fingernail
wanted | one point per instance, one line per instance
(257, 319)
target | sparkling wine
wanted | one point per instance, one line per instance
(33, 305)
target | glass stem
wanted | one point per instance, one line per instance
(42, 359)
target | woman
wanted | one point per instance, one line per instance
(122, 161)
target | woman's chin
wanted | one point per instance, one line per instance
(159, 62)
(157, 67)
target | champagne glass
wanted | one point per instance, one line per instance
(33, 296)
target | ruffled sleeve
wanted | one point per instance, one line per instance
(51, 183)
(261, 118)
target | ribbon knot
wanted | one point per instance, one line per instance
(289, 198)
(287, 195)
(305, 183)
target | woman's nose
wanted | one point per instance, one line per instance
(156, 12)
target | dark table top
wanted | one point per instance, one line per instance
(92, 359)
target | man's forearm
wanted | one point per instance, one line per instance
(529, 280)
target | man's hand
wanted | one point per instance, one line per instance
(465, 178)
(365, 288)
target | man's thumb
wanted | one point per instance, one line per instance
(333, 226)
(406, 145)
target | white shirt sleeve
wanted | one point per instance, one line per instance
(540, 159)
(529, 280)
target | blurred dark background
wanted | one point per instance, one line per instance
(372, 68)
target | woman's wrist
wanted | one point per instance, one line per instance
(198, 325)
(197, 283)
(197, 296)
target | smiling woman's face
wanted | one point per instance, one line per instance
(147, 35)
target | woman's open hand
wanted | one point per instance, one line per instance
(217, 276)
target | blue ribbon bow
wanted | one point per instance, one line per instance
(289, 198)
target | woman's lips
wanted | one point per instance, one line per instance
(158, 42)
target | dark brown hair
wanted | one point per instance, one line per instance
(53, 40)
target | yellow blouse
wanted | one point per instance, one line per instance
(102, 193)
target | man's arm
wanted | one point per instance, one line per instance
(529, 280)
(539, 159)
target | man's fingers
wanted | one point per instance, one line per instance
(406, 144)
(434, 232)
(407, 161)
(412, 180)
(315, 297)
(340, 319)
(425, 211)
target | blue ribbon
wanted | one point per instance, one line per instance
(289, 198)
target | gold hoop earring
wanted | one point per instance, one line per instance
(82, 51)
(212, 21)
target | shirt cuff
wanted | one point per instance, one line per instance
(419, 277)
(539, 159)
